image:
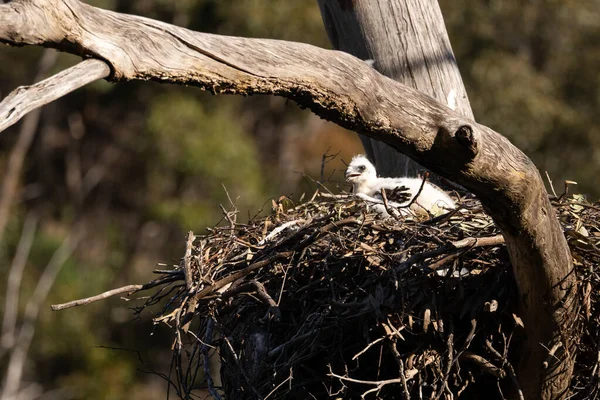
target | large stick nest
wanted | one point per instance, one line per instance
(323, 300)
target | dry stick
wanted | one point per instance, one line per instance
(473, 242)
(484, 364)
(227, 216)
(187, 261)
(207, 376)
(27, 98)
(450, 361)
(255, 286)
(135, 288)
(289, 378)
(374, 342)
(260, 291)
(551, 185)
(386, 205)
(242, 370)
(441, 262)
(457, 245)
(407, 376)
(101, 296)
(509, 367)
(398, 358)
(113, 292)
(239, 274)
(425, 176)
(378, 384)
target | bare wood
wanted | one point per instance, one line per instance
(114, 292)
(473, 242)
(98, 297)
(484, 364)
(27, 98)
(240, 274)
(345, 90)
(187, 260)
(408, 42)
(467, 243)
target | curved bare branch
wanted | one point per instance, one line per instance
(24, 99)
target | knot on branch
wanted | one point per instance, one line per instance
(464, 136)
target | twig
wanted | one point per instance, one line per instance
(241, 369)
(101, 296)
(279, 229)
(471, 243)
(484, 364)
(374, 342)
(316, 182)
(336, 196)
(508, 366)
(187, 261)
(566, 192)
(551, 185)
(398, 358)
(113, 292)
(289, 378)
(260, 291)
(326, 159)
(410, 203)
(474, 242)
(377, 384)
(207, 376)
(393, 212)
(450, 360)
(239, 274)
(227, 216)
(27, 98)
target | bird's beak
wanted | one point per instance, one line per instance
(351, 176)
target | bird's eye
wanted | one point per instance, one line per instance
(361, 168)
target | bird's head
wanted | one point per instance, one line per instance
(360, 170)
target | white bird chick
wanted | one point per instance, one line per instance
(399, 191)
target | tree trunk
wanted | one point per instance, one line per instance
(408, 42)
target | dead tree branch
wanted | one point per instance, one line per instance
(27, 98)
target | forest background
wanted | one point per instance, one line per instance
(120, 172)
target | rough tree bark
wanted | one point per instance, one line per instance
(343, 89)
(408, 42)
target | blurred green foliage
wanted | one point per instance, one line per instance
(138, 164)
(192, 154)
